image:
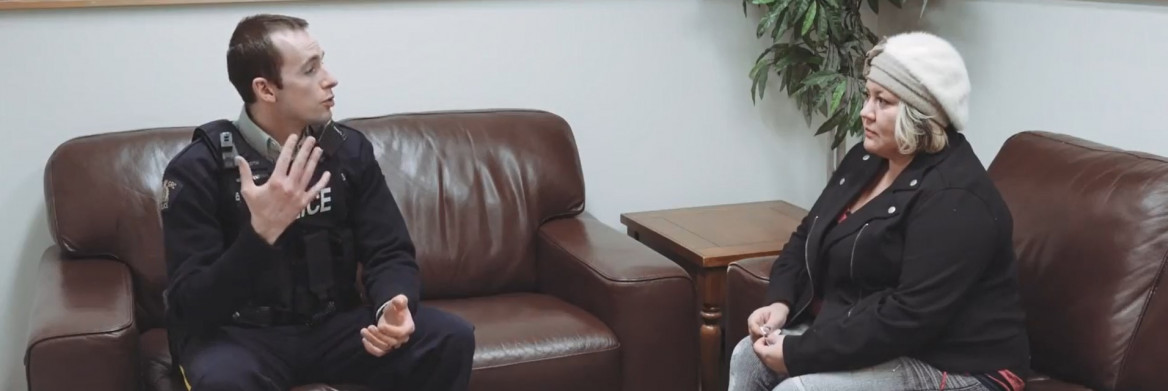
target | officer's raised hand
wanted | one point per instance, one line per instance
(393, 328)
(276, 204)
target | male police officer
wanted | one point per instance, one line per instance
(263, 239)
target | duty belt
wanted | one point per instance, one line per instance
(266, 316)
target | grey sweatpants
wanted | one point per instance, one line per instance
(747, 373)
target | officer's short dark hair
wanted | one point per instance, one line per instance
(251, 53)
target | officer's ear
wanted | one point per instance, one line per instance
(264, 89)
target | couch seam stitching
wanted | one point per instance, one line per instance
(617, 347)
(1139, 324)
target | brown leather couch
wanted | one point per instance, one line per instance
(494, 201)
(1091, 236)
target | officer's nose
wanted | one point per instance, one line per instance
(329, 80)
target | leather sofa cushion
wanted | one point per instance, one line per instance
(538, 338)
(1040, 382)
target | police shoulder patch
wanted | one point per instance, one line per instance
(170, 189)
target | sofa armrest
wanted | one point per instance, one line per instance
(82, 330)
(746, 286)
(647, 300)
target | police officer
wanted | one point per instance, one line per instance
(263, 238)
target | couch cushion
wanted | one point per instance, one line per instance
(527, 341)
(1039, 382)
(473, 187)
(746, 283)
(156, 363)
(1089, 224)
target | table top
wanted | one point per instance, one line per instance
(716, 235)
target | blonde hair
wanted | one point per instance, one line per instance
(916, 132)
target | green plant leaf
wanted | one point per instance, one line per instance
(809, 90)
(839, 139)
(786, 82)
(831, 59)
(800, 54)
(807, 111)
(768, 22)
(777, 32)
(782, 3)
(783, 62)
(836, 96)
(760, 71)
(810, 19)
(823, 25)
(828, 125)
(762, 82)
(800, 14)
(821, 78)
(790, 13)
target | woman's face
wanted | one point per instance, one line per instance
(879, 119)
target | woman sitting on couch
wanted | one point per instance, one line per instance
(902, 276)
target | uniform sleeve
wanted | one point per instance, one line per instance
(384, 246)
(208, 279)
(950, 238)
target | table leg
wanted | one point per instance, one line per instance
(711, 289)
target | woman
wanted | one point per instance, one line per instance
(902, 275)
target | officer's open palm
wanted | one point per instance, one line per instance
(279, 201)
(393, 328)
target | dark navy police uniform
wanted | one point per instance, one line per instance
(246, 315)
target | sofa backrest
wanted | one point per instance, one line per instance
(1091, 236)
(473, 187)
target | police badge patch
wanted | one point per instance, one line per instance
(170, 189)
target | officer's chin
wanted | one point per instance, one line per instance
(320, 120)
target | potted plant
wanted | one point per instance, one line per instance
(818, 52)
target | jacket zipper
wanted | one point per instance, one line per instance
(852, 268)
(807, 266)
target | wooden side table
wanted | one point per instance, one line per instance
(704, 240)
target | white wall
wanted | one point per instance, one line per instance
(1092, 69)
(658, 71)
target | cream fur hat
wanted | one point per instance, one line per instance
(924, 71)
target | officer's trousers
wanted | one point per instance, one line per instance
(437, 356)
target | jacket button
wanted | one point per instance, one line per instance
(913, 183)
(842, 181)
(867, 156)
(892, 209)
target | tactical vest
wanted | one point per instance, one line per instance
(318, 276)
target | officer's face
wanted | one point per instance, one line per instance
(307, 94)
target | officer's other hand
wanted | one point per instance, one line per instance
(276, 204)
(393, 328)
